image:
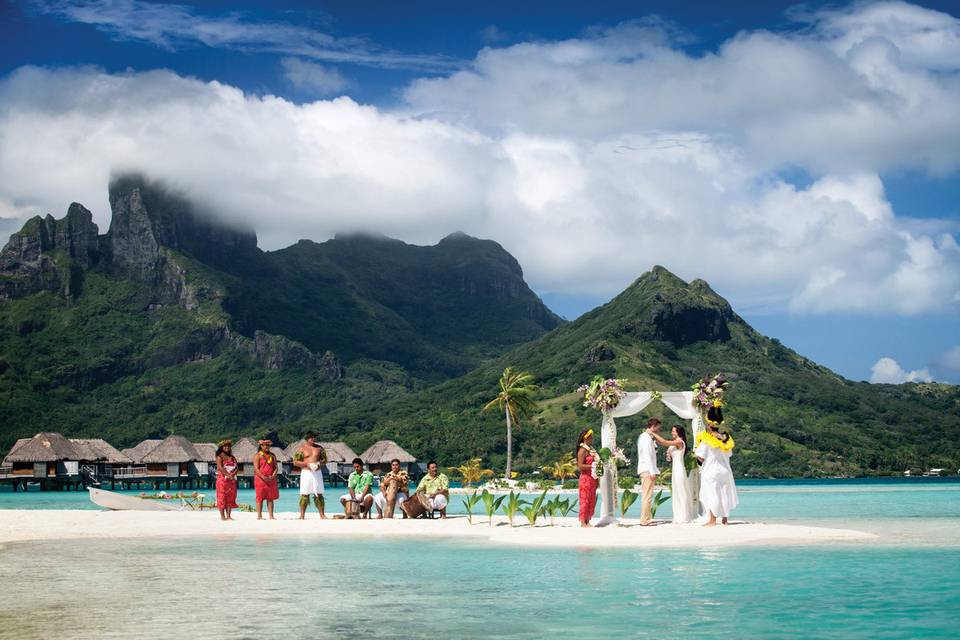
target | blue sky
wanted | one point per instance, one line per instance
(817, 141)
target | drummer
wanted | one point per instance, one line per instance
(360, 486)
(401, 479)
(436, 488)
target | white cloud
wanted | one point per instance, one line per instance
(313, 78)
(175, 26)
(889, 371)
(590, 160)
(821, 99)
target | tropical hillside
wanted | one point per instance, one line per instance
(172, 323)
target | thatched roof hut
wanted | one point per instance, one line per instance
(43, 447)
(137, 452)
(244, 449)
(206, 450)
(98, 450)
(337, 452)
(383, 451)
(172, 449)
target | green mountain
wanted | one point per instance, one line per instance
(173, 322)
(791, 416)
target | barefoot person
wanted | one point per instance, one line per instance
(360, 488)
(265, 470)
(718, 493)
(227, 468)
(647, 468)
(310, 458)
(394, 489)
(587, 483)
(679, 489)
(435, 487)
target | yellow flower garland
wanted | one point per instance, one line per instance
(714, 441)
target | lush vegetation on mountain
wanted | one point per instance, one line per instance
(171, 324)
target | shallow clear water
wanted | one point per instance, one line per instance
(905, 585)
(309, 587)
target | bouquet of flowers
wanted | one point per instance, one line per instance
(603, 394)
(708, 392)
(604, 456)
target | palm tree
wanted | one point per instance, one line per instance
(471, 472)
(563, 468)
(514, 399)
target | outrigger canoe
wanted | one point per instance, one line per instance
(124, 502)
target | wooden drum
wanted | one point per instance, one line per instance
(390, 493)
(417, 506)
(351, 509)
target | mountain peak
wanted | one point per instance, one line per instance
(458, 236)
(149, 215)
(661, 306)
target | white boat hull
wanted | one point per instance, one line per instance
(122, 502)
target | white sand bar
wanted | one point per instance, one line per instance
(23, 525)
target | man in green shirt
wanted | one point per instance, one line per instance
(436, 487)
(360, 487)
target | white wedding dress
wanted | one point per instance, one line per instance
(682, 505)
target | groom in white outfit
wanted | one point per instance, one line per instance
(647, 469)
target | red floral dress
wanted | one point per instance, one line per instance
(266, 464)
(227, 487)
(588, 493)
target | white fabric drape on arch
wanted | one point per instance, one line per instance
(679, 402)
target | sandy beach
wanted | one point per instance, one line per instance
(24, 525)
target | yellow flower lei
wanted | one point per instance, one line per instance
(714, 441)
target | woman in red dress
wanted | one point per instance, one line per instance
(227, 468)
(265, 469)
(588, 484)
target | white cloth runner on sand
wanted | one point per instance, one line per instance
(311, 482)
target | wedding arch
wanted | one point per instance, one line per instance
(679, 402)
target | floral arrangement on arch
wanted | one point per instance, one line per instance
(709, 392)
(603, 394)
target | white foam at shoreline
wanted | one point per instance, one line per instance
(24, 525)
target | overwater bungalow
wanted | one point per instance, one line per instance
(47, 458)
(381, 453)
(174, 461)
(100, 457)
(207, 461)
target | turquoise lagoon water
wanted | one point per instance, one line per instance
(314, 588)
(904, 585)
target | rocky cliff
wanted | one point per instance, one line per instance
(48, 254)
(146, 217)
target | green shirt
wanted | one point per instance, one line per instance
(359, 482)
(431, 486)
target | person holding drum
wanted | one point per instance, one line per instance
(394, 489)
(435, 488)
(360, 486)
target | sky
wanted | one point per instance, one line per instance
(803, 159)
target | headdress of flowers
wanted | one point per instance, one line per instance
(709, 392)
(603, 394)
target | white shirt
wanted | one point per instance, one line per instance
(647, 455)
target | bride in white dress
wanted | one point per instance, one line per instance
(682, 505)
